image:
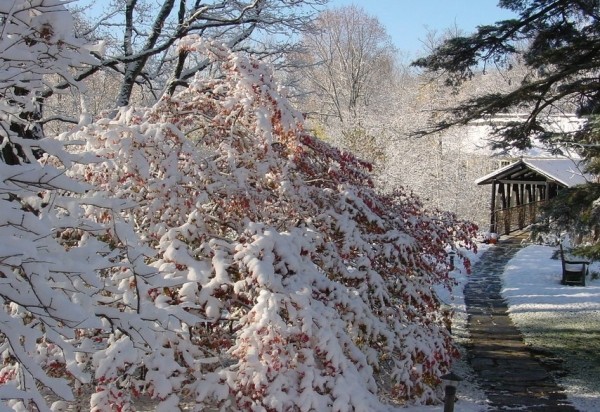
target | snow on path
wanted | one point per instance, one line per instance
(550, 315)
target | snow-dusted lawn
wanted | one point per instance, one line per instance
(562, 319)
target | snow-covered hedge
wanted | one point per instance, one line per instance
(208, 251)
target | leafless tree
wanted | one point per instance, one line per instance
(344, 74)
(441, 168)
(347, 62)
(140, 38)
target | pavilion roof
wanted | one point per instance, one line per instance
(564, 171)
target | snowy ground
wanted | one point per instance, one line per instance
(563, 321)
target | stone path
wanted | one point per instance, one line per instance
(511, 376)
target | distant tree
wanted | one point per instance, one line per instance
(346, 68)
(558, 42)
(439, 167)
(348, 59)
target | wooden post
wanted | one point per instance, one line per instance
(502, 188)
(518, 189)
(493, 209)
(530, 204)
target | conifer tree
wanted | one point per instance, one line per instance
(558, 42)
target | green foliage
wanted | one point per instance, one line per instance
(574, 209)
(358, 140)
(319, 131)
(590, 251)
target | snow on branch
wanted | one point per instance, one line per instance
(306, 280)
(208, 251)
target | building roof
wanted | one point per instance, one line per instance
(566, 172)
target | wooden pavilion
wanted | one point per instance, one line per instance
(519, 189)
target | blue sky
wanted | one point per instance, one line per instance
(408, 21)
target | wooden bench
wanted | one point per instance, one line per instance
(574, 271)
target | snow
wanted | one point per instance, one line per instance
(567, 171)
(302, 279)
(535, 296)
(477, 135)
(261, 272)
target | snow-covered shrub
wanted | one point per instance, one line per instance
(205, 250)
(312, 289)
